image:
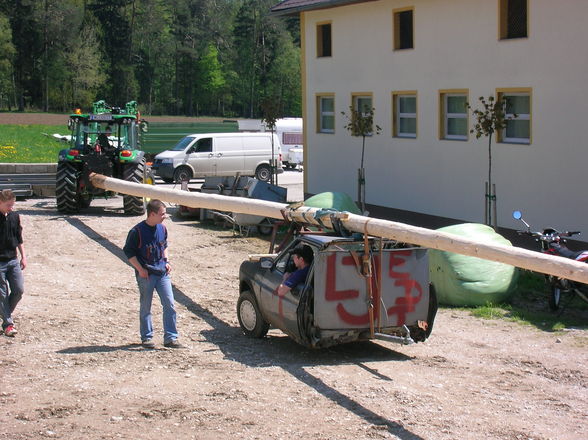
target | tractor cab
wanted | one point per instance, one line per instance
(107, 130)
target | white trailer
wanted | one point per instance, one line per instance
(289, 131)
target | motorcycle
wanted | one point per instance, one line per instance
(553, 242)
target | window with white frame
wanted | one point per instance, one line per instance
(405, 114)
(518, 115)
(454, 116)
(326, 114)
(362, 104)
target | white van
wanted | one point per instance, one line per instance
(219, 154)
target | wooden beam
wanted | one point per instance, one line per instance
(531, 260)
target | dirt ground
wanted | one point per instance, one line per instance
(76, 369)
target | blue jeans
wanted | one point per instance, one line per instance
(162, 284)
(11, 289)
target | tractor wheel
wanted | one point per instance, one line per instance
(134, 172)
(66, 186)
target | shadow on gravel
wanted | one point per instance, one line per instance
(50, 207)
(272, 351)
(101, 349)
(98, 238)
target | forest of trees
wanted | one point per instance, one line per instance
(175, 57)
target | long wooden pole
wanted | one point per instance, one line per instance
(531, 260)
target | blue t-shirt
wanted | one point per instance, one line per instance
(297, 277)
(147, 243)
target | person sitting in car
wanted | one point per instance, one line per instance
(302, 257)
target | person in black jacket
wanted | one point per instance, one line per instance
(11, 277)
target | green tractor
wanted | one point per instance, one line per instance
(106, 141)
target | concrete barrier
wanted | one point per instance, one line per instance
(28, 168)
(33, 168)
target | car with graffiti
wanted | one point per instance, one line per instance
(355, 289)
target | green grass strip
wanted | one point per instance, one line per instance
(30, 143)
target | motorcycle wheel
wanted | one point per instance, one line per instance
(554, 297)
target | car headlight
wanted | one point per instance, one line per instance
(165, 161)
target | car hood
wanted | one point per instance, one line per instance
(169, 154)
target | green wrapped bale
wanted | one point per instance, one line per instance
(333, 200)
(461, 280)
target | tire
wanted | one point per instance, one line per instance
(182, 173)
(263, 173)
(433, 307)
(66, 188)
(265, 229)
(250, 319)
(134, 172)
(554, 297)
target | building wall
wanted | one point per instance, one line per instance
(456, 46)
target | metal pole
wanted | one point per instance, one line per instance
(494, 206)
(486, 219)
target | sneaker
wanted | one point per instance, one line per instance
(148, 343)
(172, 344)
(10, 331)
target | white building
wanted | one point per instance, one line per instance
(416, 62)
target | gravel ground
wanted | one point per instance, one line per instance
(76, 369)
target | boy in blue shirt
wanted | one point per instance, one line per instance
(146, 249)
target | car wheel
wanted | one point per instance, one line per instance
(263, 173)
(250, 319)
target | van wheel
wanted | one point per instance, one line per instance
(263, 173)
(182, 173)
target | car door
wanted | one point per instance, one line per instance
(280, 310)
(200, 156)
(228, 155)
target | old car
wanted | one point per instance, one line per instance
(356, 289)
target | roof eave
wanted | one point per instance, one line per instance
(323, 5)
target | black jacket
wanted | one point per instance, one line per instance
(10, 235)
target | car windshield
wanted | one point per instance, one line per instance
(183, 143)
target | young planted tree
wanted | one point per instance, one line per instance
(490, 118)
(360, 122)
(270, 109)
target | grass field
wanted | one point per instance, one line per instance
(30, 143)
(34, 144)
